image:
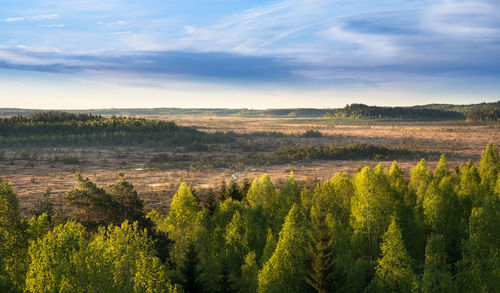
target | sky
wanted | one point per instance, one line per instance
(87, 54)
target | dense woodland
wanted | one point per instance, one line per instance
(66, 129)
(484, 112)
(373, 231)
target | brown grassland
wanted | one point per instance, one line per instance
(31, 170)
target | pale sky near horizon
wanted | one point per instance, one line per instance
(82, 54)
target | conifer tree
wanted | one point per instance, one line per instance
(442, 169)
(269, 247)
(479, 270)
(92, 206)
(320, 273)
(285, 271)
(250, 274)
(394, 270)
(130, 205)
(437, 273)
(233, 191)
(469, 191)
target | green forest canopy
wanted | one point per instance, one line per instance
(374, 231)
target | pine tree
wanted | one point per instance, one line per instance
(92, 206)
(233, 191)
(285, 271)
(394, 270)
(130, 206)
(320, 275)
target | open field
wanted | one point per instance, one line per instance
(32, 169)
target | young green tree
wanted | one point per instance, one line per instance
(115, 261)
(479, 270)
(442, 213)
(57, 261)
(437, 273)
(394, 270)
(442, 169)
(285, 271)
(489, 167)
(250, 274)
(263, 193)
(13, 239)
(469, 190)
(372, 206)
(181, 225)
(269, 247)
(420, 178)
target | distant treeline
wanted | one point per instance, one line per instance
(357, 151)
(359, 111)
(221, 112)
(292, 154)
(433, 112)
(61, 129)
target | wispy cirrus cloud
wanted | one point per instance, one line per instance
(285, 42)
(39, 17)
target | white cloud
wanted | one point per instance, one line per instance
(51, 25)
(462, 19)
(44, 17)
(13, 19)
(39, 17)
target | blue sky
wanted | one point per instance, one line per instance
(257, 54)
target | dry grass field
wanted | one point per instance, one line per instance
(31, 170)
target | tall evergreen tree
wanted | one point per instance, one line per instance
(130, 206)
(479, 270)
(320, 274)
(394, 270)
(437, 274)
